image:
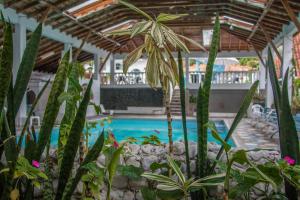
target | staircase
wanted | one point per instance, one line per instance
(175, 103)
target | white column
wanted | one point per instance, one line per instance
(262, 76)
(19, 45)
(96, 83)
(269, 90)
(112, 69)
(287, 60)
(187, 71)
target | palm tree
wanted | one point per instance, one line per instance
(161, 68)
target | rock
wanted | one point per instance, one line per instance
(134, 148)
(139, 196)
(193, 165)
(178, 148)
(153, 149)
(79, 188)
(211, 155)
(147, 148)
(138, 184)
(116, 195)
(260, 125)
(128, 195)
(211, 146)
(183, 167)
(148, 160)
(120, 182)
(101, 160)
(192, 150)
(133, 161)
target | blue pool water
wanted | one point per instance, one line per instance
(124, 128)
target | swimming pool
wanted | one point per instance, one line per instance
(124, 128)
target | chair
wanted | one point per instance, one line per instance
(257, 111)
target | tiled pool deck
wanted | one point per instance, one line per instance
(245, 136)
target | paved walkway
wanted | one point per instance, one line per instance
(251, 134)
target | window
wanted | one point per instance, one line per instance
(207, 36)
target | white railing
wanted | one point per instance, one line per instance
(238, 77)
(195, 78)
(131, 78)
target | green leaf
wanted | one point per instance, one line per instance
(241, 113)
(130, 171)
(6, 64)
(52, 107)
(163, 17)
(20, 141)
(26, 67)
(112, 168)
(211, 125)
(176, 169)
(148, 194)
(132, 57)
(91, 156)
(203, 102)
(289, 136)
(73, 143)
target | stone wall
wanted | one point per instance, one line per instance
(143, 155)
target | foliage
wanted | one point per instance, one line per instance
(161, 68)
(181, 183)
(241, 113)
(52, 107)
(203, 103)
(183, 113)
(151, 139)
(91, 156)
(73, 143)
(250, 62)
(130, 171)
(26, 67)
(288, 137)
(93, 180)
(112, 168)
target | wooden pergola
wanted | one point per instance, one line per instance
(246, 24)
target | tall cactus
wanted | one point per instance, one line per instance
(203, 103)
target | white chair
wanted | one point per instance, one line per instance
(257, 111)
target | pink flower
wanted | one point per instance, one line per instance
(115, 144)
(289, 160)
(35, 163)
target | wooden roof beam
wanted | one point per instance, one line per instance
(291, 13)
(267, 8)
(270, 41)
